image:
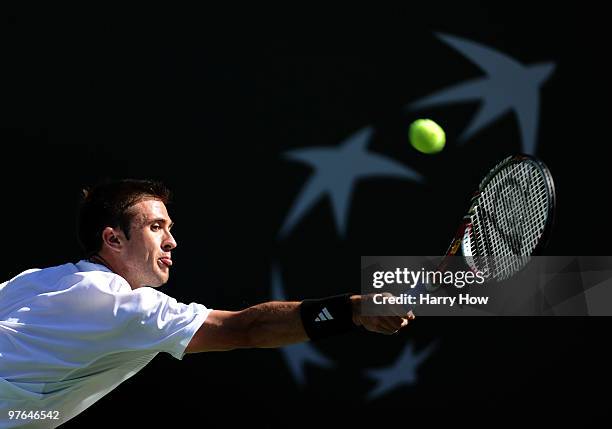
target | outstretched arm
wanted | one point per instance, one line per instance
(274, 324)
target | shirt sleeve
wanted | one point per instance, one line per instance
(155, 321)
(111, 317)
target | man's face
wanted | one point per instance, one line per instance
(147, 253)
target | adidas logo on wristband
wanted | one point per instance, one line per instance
(315, 311)
(324, 315)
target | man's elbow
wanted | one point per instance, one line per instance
(224, 331)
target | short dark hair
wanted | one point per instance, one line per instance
(107, 204)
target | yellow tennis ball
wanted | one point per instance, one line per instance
(426, 136)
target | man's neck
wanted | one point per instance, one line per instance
(97, 259)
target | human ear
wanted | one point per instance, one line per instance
(111, 238)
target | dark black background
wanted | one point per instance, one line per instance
(212, 114)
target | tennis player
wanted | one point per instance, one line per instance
(72, 333)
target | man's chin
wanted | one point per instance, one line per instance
(162, 275)
(160, 280)
(164, 279)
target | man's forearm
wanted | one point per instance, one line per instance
(279, 323)
(275, 324)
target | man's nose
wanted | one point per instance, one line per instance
(169, 242)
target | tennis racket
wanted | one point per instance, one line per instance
(509, 219)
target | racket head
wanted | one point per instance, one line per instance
(510, 218)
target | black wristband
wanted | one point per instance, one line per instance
(329, 316)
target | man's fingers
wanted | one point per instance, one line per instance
(379, 324)
(387, 324)
(393, 323)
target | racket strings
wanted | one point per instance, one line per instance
(508, 220)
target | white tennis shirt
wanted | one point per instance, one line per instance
(70, 334)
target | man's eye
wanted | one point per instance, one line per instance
(155, 227)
